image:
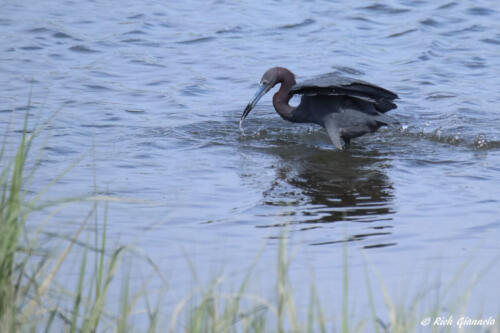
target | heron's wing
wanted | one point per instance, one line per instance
(335, 84)
(333, 130)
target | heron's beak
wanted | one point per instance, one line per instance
(263, 88)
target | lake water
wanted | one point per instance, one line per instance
(151, 93)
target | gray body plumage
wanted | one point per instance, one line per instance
(347, 108)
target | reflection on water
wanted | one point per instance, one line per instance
(326, 186)
(337, 186)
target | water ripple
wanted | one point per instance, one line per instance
(82, 49)
(385, 9)
(482, 11)
(197, 40)
(402, 33)
(61, 35)
(235, 29)
(135, 32)
(491, 41)
(39, 30)
(431, 22)
(304, 23)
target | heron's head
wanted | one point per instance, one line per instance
(270, 78)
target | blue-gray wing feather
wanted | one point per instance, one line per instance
(335, 84)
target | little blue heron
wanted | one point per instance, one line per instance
(345, 107)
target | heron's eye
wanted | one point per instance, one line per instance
(265, 82)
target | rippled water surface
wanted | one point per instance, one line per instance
(151, 93)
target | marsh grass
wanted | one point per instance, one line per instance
(34, 297)
(13, 217)
(31, 297)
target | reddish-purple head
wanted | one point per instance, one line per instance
(270, 78)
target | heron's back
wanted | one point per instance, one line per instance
(332, 84)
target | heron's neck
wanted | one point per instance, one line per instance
(281, 98)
